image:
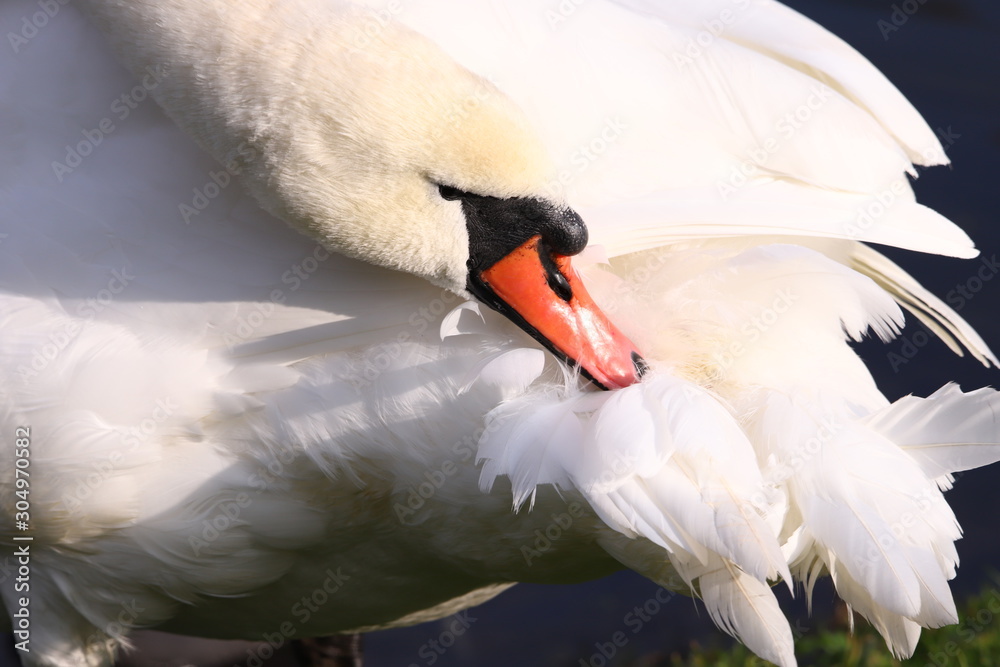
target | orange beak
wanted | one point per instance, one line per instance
(545, 296)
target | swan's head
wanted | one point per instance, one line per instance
(391, 152)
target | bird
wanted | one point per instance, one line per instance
(328, 317)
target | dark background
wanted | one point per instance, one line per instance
(945, 59)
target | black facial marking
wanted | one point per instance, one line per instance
(498, 226)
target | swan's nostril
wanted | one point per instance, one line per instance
(553, 274)
(640, 365)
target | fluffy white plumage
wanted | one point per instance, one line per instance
(227, 416)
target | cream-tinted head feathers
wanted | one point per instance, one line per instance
(343, 133)
(386, 125)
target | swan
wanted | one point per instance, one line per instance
(231, 426)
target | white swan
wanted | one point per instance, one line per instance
(234, 431)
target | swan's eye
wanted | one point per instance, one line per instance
(449, 193)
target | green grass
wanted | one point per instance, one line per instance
(974, 642)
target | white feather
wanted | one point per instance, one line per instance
(936, 315)
(746, 608)
(947, 432)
